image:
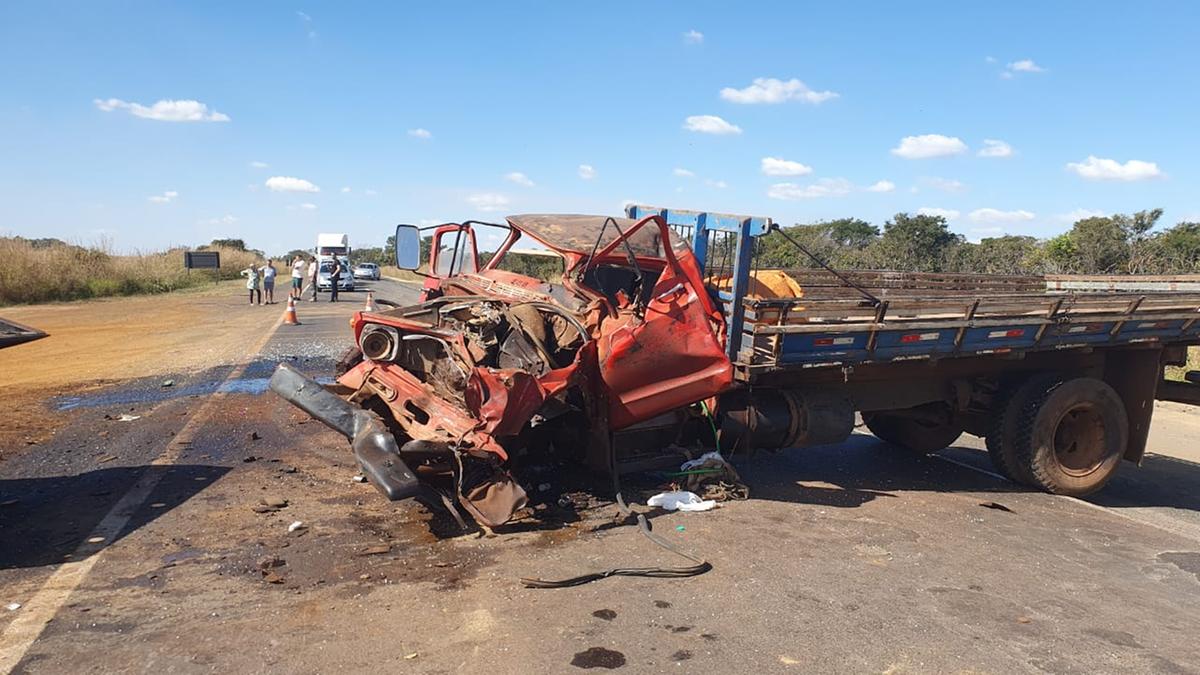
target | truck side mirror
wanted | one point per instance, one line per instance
(408, 247)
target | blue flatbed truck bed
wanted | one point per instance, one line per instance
(1061, 384)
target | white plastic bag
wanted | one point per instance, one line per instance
(693, 463)
(681, 500)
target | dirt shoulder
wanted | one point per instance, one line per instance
(98, 341)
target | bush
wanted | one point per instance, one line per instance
(47, 270)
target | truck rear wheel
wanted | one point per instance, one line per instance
(921, 435)
(1071, 435)
(1001, 437)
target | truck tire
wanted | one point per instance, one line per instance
(919, 436)
(1071, 436)
(1001, 437)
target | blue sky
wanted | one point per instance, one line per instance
(149, 124)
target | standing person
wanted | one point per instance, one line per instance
(297, 276)
(314, 274)
(252, 285)
(335, 278)
(269, 281)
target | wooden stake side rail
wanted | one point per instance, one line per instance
(809, 332)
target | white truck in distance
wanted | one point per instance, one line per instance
(330, 246)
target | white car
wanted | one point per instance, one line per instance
(345, 281)
(366, 271)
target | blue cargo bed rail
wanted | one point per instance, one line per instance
(830, 332)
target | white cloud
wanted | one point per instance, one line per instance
(1070, 217)
(693, 37)
(943, 184)
(710, 124)
(776, 166)
(165, 110)
(683, 173)
(488, 201)
(1096, 168)
(420, 133)
(989, 59)
(518, 178)
(164, 198)
(346, 190)
(995, 148)
(1025, 66)
(587, 171)
(998, 216)
(882, 186)
(369, 192)
(928, 146)
(308, 24)
(259, 165)
(308, 206)
(222, 220)
(290, 184)
(948, 214)
(718, 184)
(771, 90)
(825, 187)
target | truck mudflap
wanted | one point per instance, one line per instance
(374, 447)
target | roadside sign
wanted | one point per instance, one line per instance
(202, 260)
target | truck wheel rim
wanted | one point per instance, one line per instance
(1080, 441)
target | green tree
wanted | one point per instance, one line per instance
(236, 244)
(917, 243)
(851, 232)
(1100, 245)
(1177, 250)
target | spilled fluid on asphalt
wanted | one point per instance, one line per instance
(129, 396)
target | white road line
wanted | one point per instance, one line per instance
(1179, 532)
(40, 609)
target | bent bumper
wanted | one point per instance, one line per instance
(373, 446)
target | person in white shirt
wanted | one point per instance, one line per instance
(297, 276)
(268, 274)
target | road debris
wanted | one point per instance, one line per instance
(168, 383)
(123, 417)
(13, 606)
(996, 506)
(297, 526)
(598, 657)
(376, 550)
(359, 478)
(680, 500)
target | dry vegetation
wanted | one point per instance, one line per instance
(44, 271)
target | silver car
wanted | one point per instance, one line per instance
(366, 270)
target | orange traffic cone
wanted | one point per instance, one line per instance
(289, 314)
(371, 306)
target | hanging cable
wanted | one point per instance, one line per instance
(873, 300)
(700, 567)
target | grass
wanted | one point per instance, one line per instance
(1193, 363)
(397, 273)
(57, 271)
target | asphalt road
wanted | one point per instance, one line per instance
(144, 545)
